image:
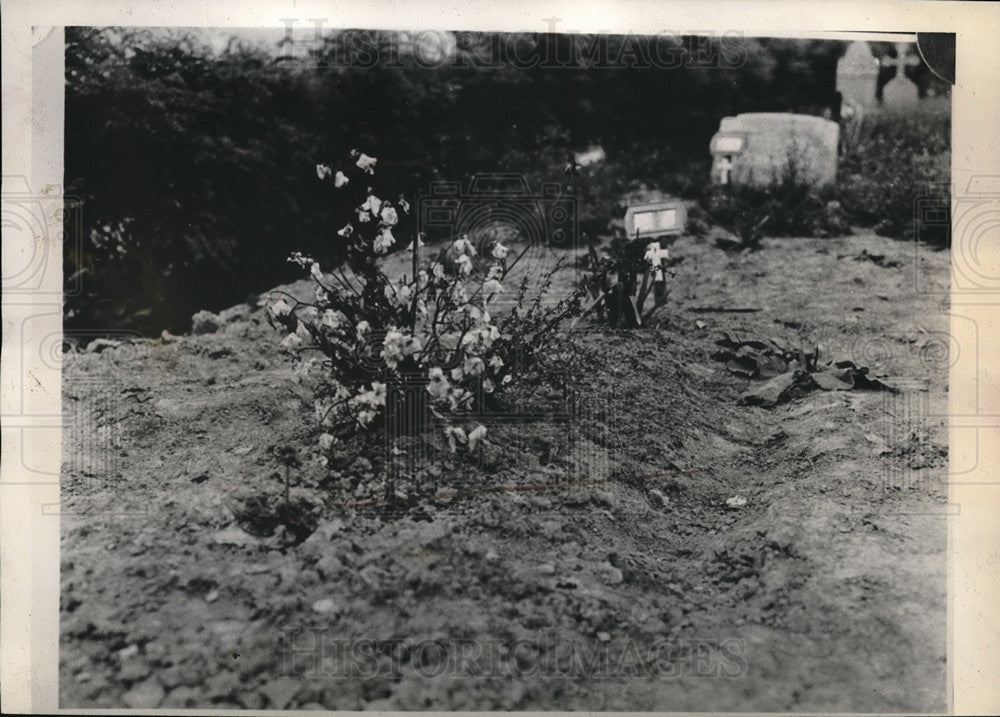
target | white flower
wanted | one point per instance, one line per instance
(403, 204)
(347, 230)
(438, 386)
(412, 345)
(438, 271)
(322, 295)
(480, 338)
(373, 398)
(500, 251)
(464, 265)
(303, 332)
(475, 435)
(384, 240)
(389, 216)
(340, 179)
(392, 348)
(366, 417)
(459, 398)
(332, 319)
(495, 363)
(366, 163)
(326, 441)
(453, 434)
(361, 329)
(463, 246)
(422, 278)
(292, 341)
(495, 272)
(364, 216)
(280, 308)
(342, 391)
(507, 379)
(492, 287)
(372, 204)
(316, 272)
(404, 292)
(457, 373)
(322, 171)
(488, 385)
(474, 366)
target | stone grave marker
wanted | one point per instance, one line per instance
(761, 148)
(900, 92)
(857, 76)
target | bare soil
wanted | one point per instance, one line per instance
(592, 564)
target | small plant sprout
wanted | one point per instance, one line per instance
(288, 457)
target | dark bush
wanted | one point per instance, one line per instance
(898, 159)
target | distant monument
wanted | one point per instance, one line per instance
(883, 75)
(899, 91)
(857, 75)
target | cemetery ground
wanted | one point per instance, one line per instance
(533, 578)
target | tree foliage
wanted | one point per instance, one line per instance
(193, 164)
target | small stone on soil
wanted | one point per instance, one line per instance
(148, 694)
(325, 605)
(659, 500)
(233, 536)
(280, 692)
(611, 575)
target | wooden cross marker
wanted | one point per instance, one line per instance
(655, 254)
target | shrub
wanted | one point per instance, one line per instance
(424, 350)
(895, 160)
(785, 208)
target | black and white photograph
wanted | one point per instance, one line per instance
(428, 368)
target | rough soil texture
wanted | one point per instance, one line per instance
(590, 565)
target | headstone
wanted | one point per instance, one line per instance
(759, 149)
(900, 92)
(857, 75)
(667, 217)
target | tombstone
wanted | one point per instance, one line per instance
(667, 217)
(857, 75)
(900, 92)
(764, 148)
